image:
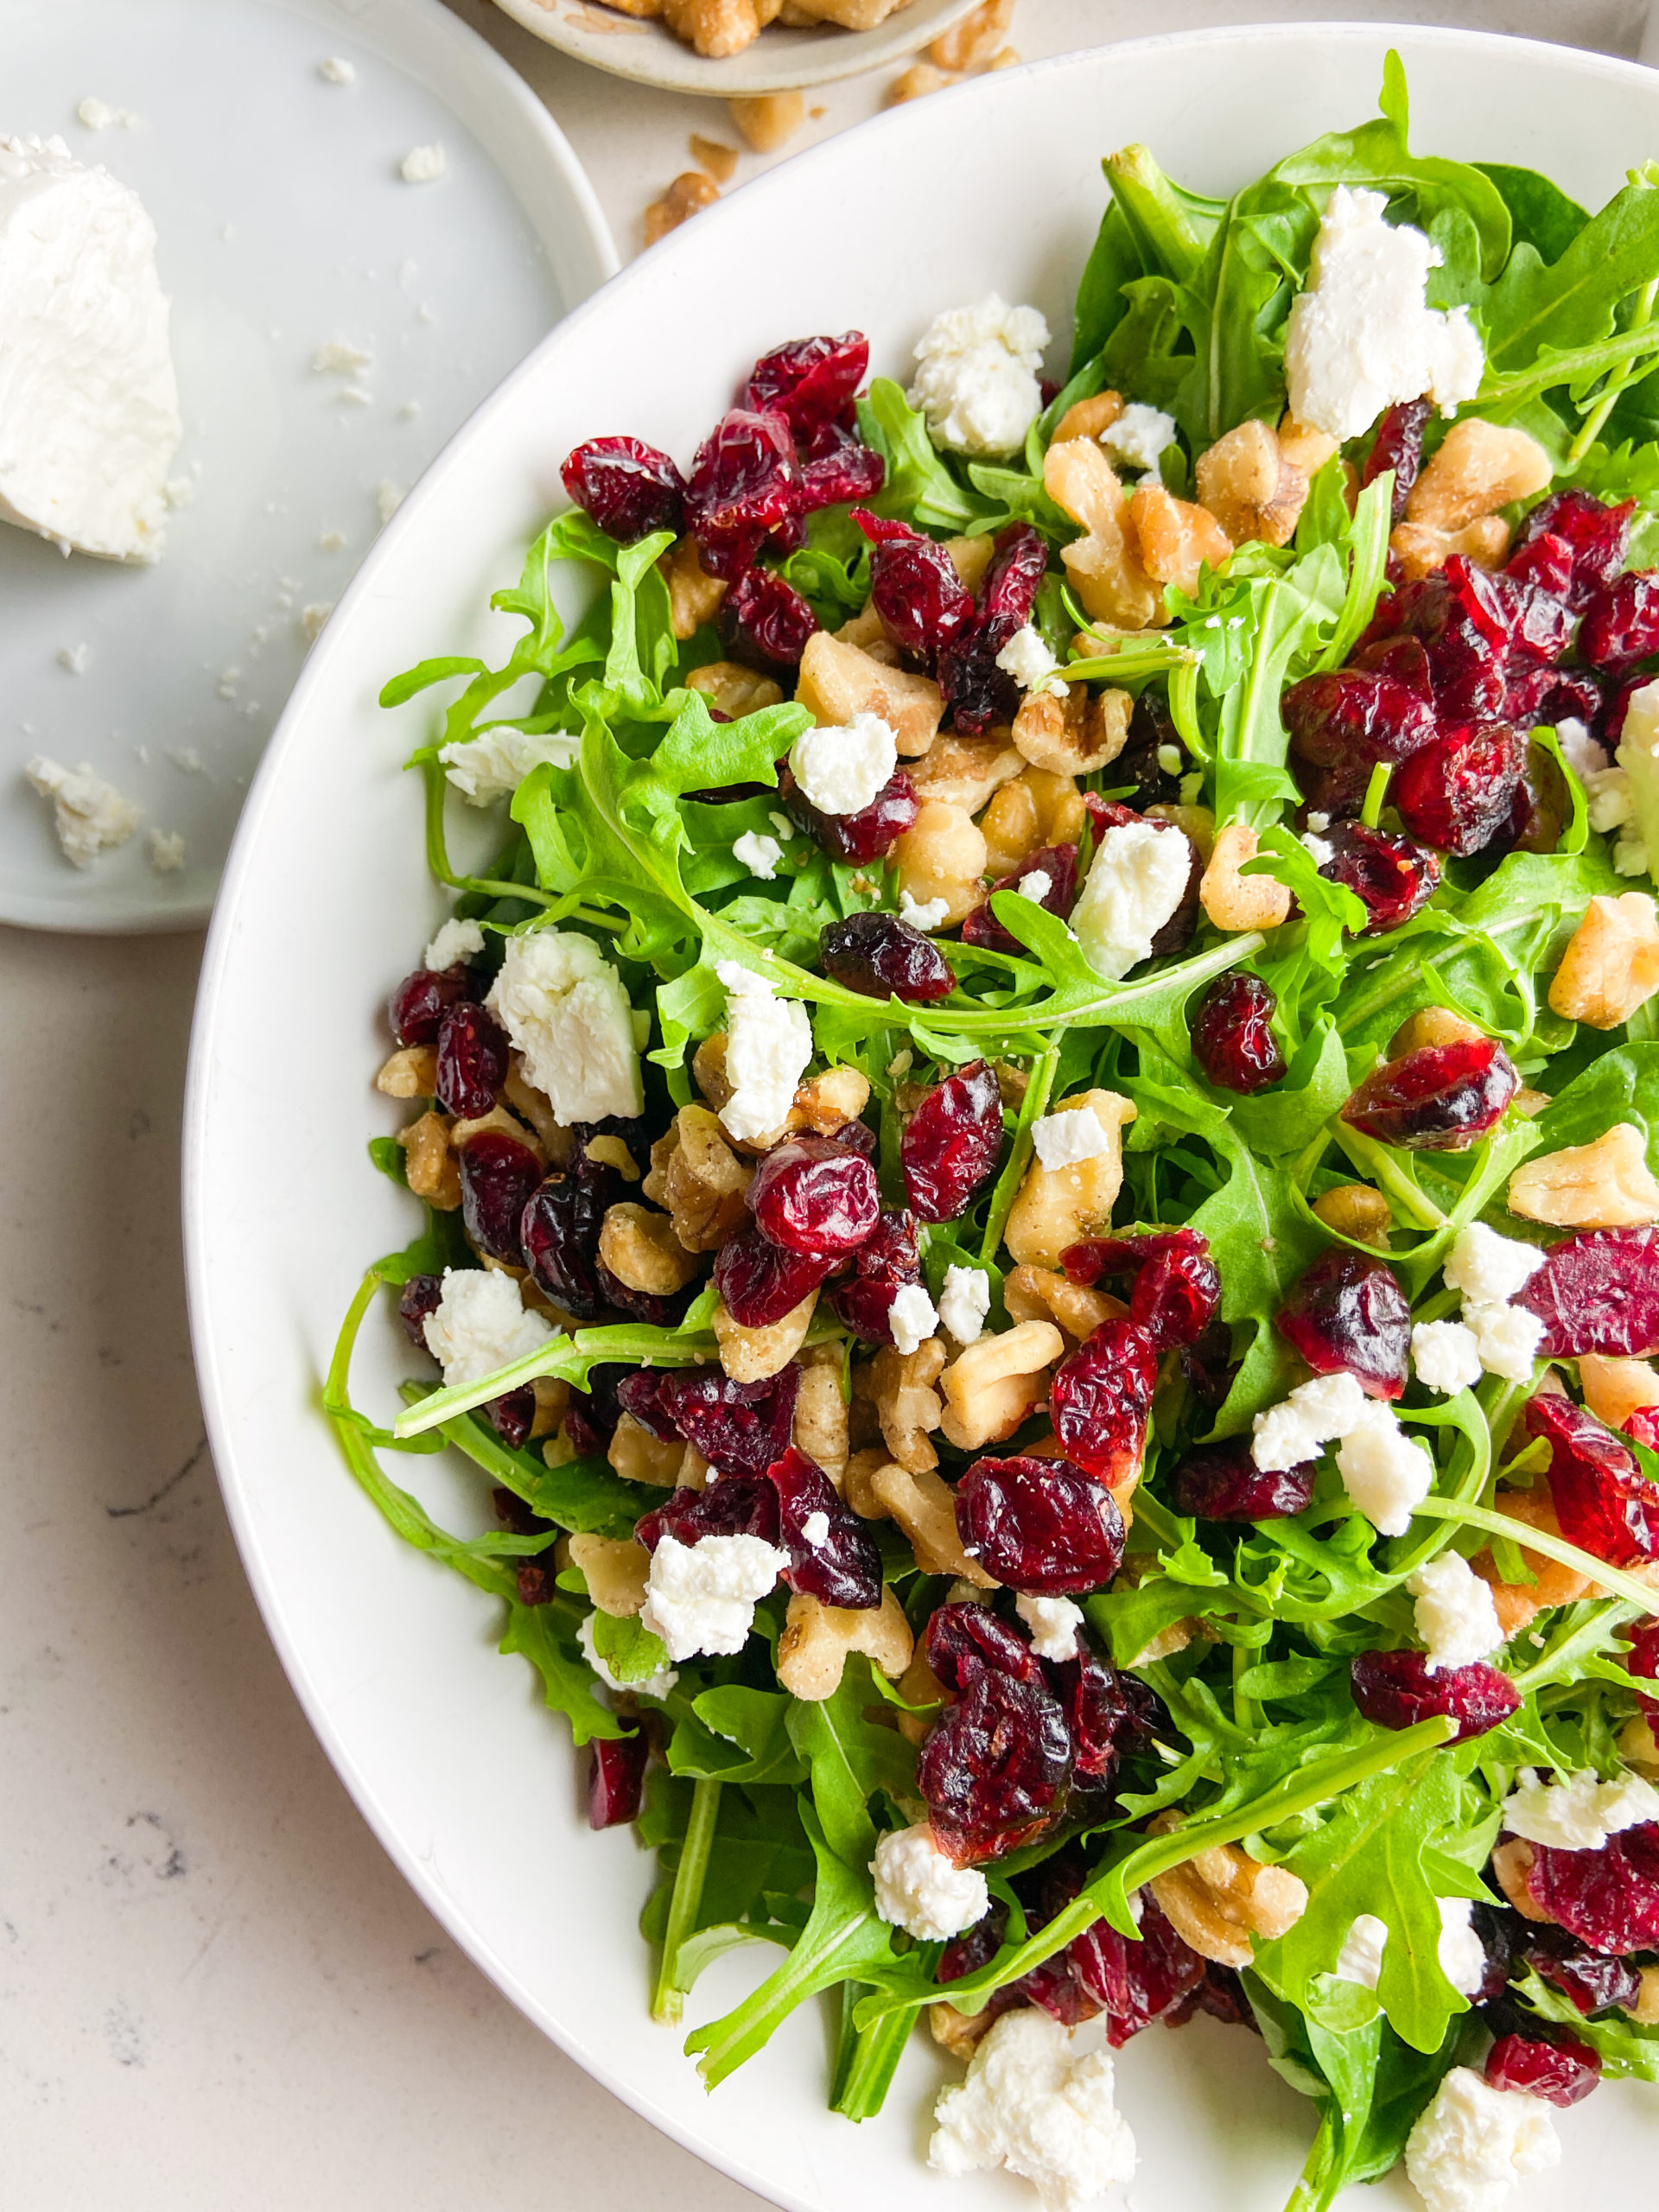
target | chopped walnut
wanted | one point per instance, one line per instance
(1058, 1206)
(1357, 1210)
(1088, 419)
(820, 1423)
(1645, 2011)
(639, 1457)
(1435, 1025)
(694, 596)
(701, 1180)
(954, 2031)
(1221, 1898)
(1611, 966)
(970, 557)
(907, 1404)
(916, 82)
(919, 1685)
(826, 1103)
(813, 1649)
(1517, 1603)
(1480, 467)
(733, 690)
(688, 194)
(863, 1468)
(615, 1568)
(537, 1108)
(430, 1168)
(1616, 1388)
(998, 1384)
(925, 1507)
(641, 1250)
(1236, 902)
(964, 772)
(1037, 808)
(1639, 1748)
(1104, 567)
(1420, 551)
(1511, 1863)
(412, 1072)
(943, 855)
(1606, 1185)
(716, 29)
(838, 681)
(752, 1355)
(497, 1122)
(1177, 540)
(711, 154)
(1305, 447)
(971, 43)
(866, 631)
(1045, 1294)
(768, 119)
(1075, 736)
(1250, 488)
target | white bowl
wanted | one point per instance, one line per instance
(326, 902)
(777, 61)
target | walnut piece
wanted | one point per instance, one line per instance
(1045, 1294)
(826, 1103)
(863, 1468)
(752, 1355)
(821, 1429)
(1177, 540)
(1356, 1210)
(716, 29)
(1639, 1748)
(714, 155)
(694, 596)
(1219, 1899)
(615, 1568)
(995, 1385)
(813, 1649)
(701, 1180)
(1305, 447)
(1611, 966)
(1236, 902)
(964, 772)
(430, 1168)
(838, 681)
(412, 1072)
(1250, 488)
(690, 193)
(1104, 567)
(1435, 1025)
(1511, 1862)
(641, 1250)
(916, 82)
(1087, 418)
(1606, 1185)
(1420, 551)
(733, 690)
(537, 1108)
(1058, 1206)
(943, 855)
(639, 1457)
(1479, 468)
(972, 43)
(768, 119)
(907, 1404)
(1075, 736)
(1616, 1388)
(1037, 808)
(1517, 1603)
(925, 1507)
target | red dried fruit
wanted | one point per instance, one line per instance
(1621, 623)
(472, 1061)
(1642, 1638)
(1441, 1098)
(744, 487)
(421, 1295)
(737, 1506)
(1597, 1291)
(1232, 1034)
(951, 1143)
(558, 1234)
(1396, 1690)
(1101, 1399)
(883, 957)
(1598, 536)
(416, 1009)
(1221, 1994)
(658, 1311)
(1059, 864)
(967, 1953)
(1349, 1314)
(739, 1427)
(869, 835)
(498, 1175)
(1109, 1713)
(1609, 1898)
(815, 1197)
(1041, 1526)
(1344, 723)
(838, 468)
(534, 1574)
(922, 602)
(512, 1417)
(1136, 1983)
(889, 1259)
(993, 1770)
(764, 623)
(1545, 561)
(1177, 1289)
(1053, 1986)
(843, 1566)
(1394, 877)
(810, 381)
(980, 693)
(1150, 729)
(962, 1641)
(1458, 617)
(1222, 1483)
(1457, 793)
(1603, 1501)
(617, 1783)
(628, 487)
(1539, 625)
(1592, 1981)
(1398, 445)
(1208, 1367)
(759, 1282)
(1563, 2072)
(591, 1419)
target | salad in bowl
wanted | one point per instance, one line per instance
(1039, 1145)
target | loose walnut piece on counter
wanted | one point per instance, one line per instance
(752, 1355)
(998, 1384)
(817, 1640)
(694, 596)
(1234, 901)
(412, 1072)
(639, 1457)
(1356, 1210)
(907, 1404)
(430, 1168)
(916, 82)
(615, 1568)
(1616, 1388)
(943, 855)
(720, 161)
(1075, 736)
(688, 194)
(1177, 540)
(1606, 1185)
(699, 1179)
(1249, 486)
(733, 690)
(1037, 808)
(1104, 567)
(838, 681)
(964, 772)
(1219, 1899)
(972, 42)
(1611, 966)
(925, 1507)
(1058, 1206)
(769, 120)
(641, 1250)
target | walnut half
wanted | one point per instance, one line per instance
(1221, 1898)
(1606, 1185)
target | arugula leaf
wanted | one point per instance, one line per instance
(733, 1733)
(919, 486)
(1628, 2052)
(628, 1648)
(543, 1635)
(849, 1757)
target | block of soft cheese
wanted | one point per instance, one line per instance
(89, 403)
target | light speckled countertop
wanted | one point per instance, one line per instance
(216, 1995)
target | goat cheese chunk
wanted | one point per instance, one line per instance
(759, 854)
(455, 942)
(1027, 659)
(920, 1890)
(1067, 1138)
(976, 376)
(90, 816)
(912, 1317)
(1299, 1427)
(841, 768)
(657, 1685)
(1487, 1270)
(1454, 1612)
(964, 1301)
(1507, 1339)
(1140, 437)
(1475, 2143)
(1053, 1623)
(1036, 2105)
(816, 1530)
(1460, 1951)
(480, 1323)
(1360, 1959)
(424, 164)
(1136, 881)
(1445, 1356)
(1579, 1811)
(1363, 335)
(89, 403)
(492, 765)
(702, 1597)
(922, 914)
(1035, 886)
(768, 1044)
(1383, 1471)
(566, 1010)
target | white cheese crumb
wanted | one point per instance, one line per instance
(1318, 822)
(313, 617)
(1508, 1338)
(702, 1597)
(480, 1323)
(920, 1890)
(912, 1317)
(566, 1010)
(388, 498)
(782, 823)
(339, 356)
(334, 69)
(657, 1685)
(1582, 754)
(166, 851)
(331, 541)
(1362, 336)
(1445, 1356)
(922, 914)
(1136, 881)
(1579, 1811)
(74, 659)
(1035, 886)
(768, 1044)
(1462, 1955)
(1608, 800)
(1070, 1136)
(90, 816)
(976, 370)
(1474, 2143)
(1454, 1612)
(1299, 1427)
(424, 164)
(1140, 436)
(816, 1530)
(1035, 2104)
(841, 769)
(1630, 854)
(357, 394)
(1360, 1959)
(964, 1301)
(759, 854)
(492, 765)
(1027, 659)
(1053, 1623)
(99, 115)
(1487, 1270)
(1383, 1471)
(1320, 849)
(455, 942)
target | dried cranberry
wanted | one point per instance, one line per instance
(1458, 792)
(1563, 2072)
(978, 692)
(1396, 1690)
(1609, 1898)
(1059, 864)
(1643, 1638)
(739, 1427)
(993, 1770)
(628, 487)
(1598, 1292)
(1398, 445)
(1347, 1313)
(1342, 724)
(759, 1282)
(1539, 625)
(975, 1948)
(961, 1640)
(839, 466)
(1177, 1289)
(537, 1585)
(1150, 729)
(591, 1418)
(883, 957)
(809, 382)
(558, 1234)
(889, 1259)
(816, 1197)
(923, 602)
(1598, 535)
(1109, 1713)
(744, 483)
(657, 1309)
(416, 1008)
(1545, 561)
(1232, 1034)
(1592, 1981)
(952, 1142)
(1439, 1098)
(1136, 1983)
(1393, 877)
(420, 1296)
(1039, 1525)
(737, 1506)
(1101, 1399)
(617, 1783)
(512, 1417)
(843, 1566)
(765, 623)
(1603, 1501)
(1208, 1367)
(870, 833)
(1222, 1483)
(1458, 616)
(1221, 1994)
(1621, 623)
(498, 1176)
(472, 1061)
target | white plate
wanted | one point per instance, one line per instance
(469, 1784)
(283, 224)
(780, 60)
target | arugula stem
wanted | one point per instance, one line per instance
(1244, 1710)
(1565, 1650)
(1594, 1570)
(1376, 791)
(1375, 1159)
(668, 1999)
(867, 2059)
(1033, 1106)
(1574, 365)
(1590, 429)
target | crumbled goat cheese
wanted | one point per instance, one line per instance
(492, 765)
(90, 816)
(388, 498)
(1445, 1356)
(758, 853)
(166, 851)
(1136, 881)
(424, 164)
(1579, 1811)
(1072, 1135)
(1320, 849)
(1454, 1613)
(1508, 1338)
(964, 1301)
(338, 357)
(1581, 752)
(912, 1317)
(1630, 855)
(782, 824)
(1027, 659)
(1474, 2143)
(1036, 2105)
(1053, 1623)
(768, 1044)
(312, 617)
(702, 1597)
(1298, 1427)
(921, 1890)
(1318, 822)
(816, 1530)
(1362, 336)
(1170, 760)
(922, 914)
(98, 115)
(977, 371)
(1487, 1270)
(1361, 1956)
(455, 942)
(1383, 1471)
(480, 1323)
(566, 1010)
(1609, 801)
(1035, 886)
(841, 770)
(90, 422)
(1461, 1953)
(1140, 436)
(74, 659)
(334, 69)
(657, 1685)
